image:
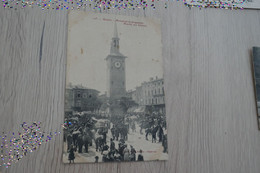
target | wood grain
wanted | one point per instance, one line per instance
(211, 113)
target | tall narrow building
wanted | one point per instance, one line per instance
(116, 84)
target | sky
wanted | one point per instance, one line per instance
(89, 38)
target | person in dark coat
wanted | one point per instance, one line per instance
(96, 159)
(112, 145)
(86, 145)
(104, 133)
(164, 143)
(125, 132)
(121, 143)
(116, 134)
(99, 143)
(154, 131)
(141, 127)
(71, 154)
(160, 133)
(121, 149)
(113, 132)
(132, 154)
(140, 156)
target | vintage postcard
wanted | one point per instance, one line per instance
(246, 4)
(256, 67)
(253, 4)
(114, 97)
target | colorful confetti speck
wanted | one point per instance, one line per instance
(15, 147)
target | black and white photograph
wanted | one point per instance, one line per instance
(243, 4)
(256, 64)
(114, 96)
(250, 4)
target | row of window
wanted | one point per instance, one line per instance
(84, 95)
(154, 92)
(154, 101)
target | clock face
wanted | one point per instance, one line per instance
(117, 64)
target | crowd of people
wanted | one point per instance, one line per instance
(81, 133)
(155, 125)
(120, 153)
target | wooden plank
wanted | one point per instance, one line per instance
(211, 114)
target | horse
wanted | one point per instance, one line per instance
(74, 138)
(148, 131)
(123, 133)
(87, 138)
(80, 142)
(153, 132)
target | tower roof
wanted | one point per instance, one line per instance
(114, 50)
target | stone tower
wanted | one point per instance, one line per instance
(116, 85)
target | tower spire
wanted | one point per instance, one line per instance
(115, 30)
(115, 41)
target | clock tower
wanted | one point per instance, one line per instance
(116, 85)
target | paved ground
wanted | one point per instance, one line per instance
(151, 151)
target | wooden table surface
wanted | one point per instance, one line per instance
(211, 111)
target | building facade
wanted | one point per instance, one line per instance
(79, 98)
(153, 92)
(150, 94)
